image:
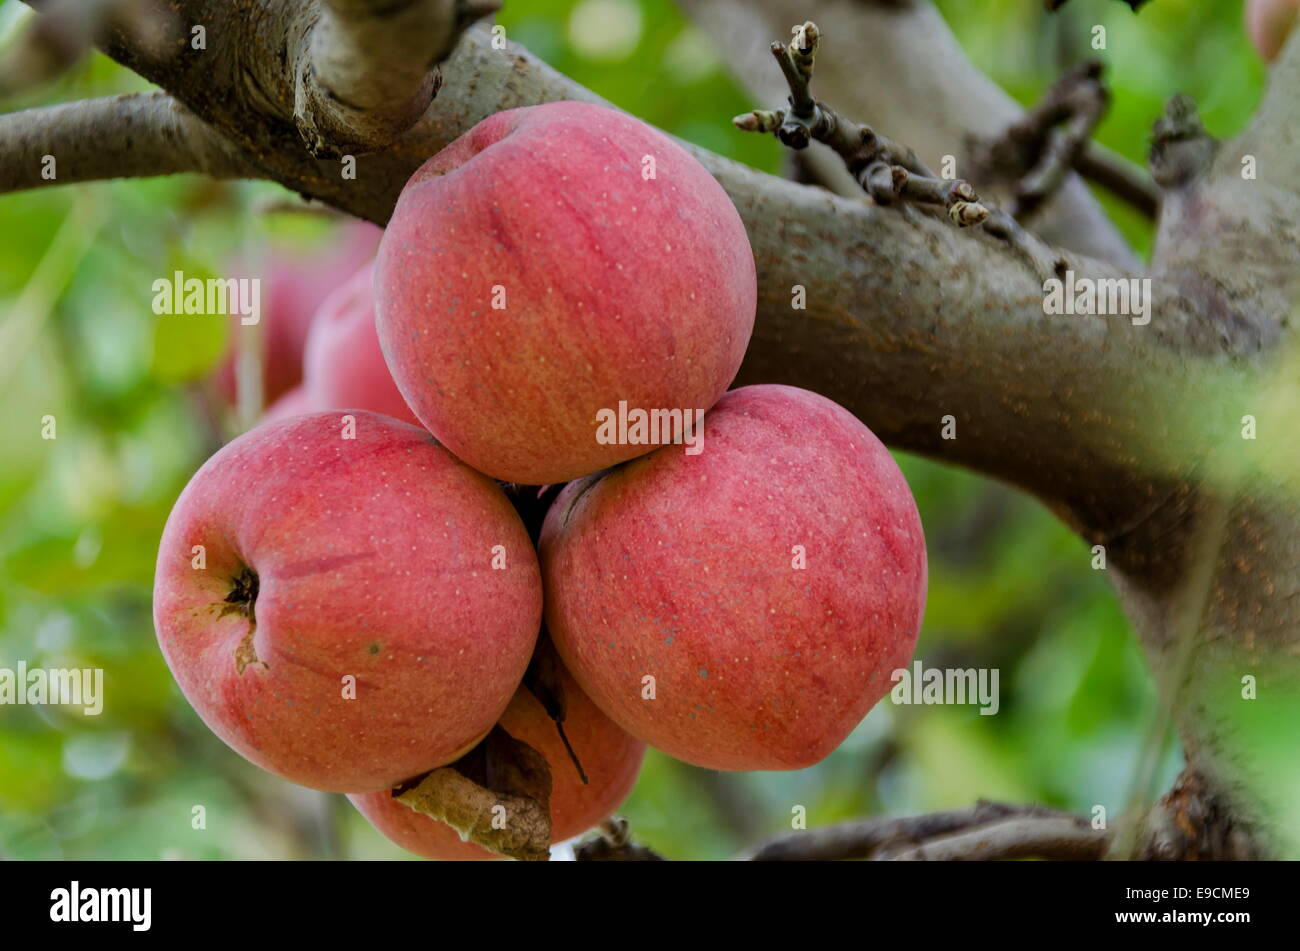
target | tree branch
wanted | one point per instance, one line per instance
(1062, 839)
(371, 69)
(984, 831)
(64, 31)
(883, 168)
(1214, 599)
(131, 136)
(1037, 152)
(1119, 176)
(903, 319)
(48, 46)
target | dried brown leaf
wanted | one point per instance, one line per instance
(497, 795)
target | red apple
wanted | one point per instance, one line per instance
(742, 608)
(548, 264)
(609, 756)
(343, 365)
(1269, 23)
(294, 284)
(344, 624)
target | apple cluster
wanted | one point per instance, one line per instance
(348, 595)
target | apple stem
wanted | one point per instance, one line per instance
(577, 764)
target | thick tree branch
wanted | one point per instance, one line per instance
(1212, 575)
(131, 136)
(371, 69)
(345, 76)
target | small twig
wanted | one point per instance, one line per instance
(1120, 177)
(1085, 102)
(957, 195)
(614, 844)
(885, 170)
(1037, 151)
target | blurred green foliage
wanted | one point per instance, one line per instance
(80, 515)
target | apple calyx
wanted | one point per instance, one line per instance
(242, 600)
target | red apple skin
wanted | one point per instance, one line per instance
(1269, 23)
(610, 757)
(680, 567)
(343, 365)
(294, 286)
(616, 288)
(373, 558)
(293, 403)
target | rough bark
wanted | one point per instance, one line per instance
(368, 71)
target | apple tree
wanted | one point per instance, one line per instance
(933, 262)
